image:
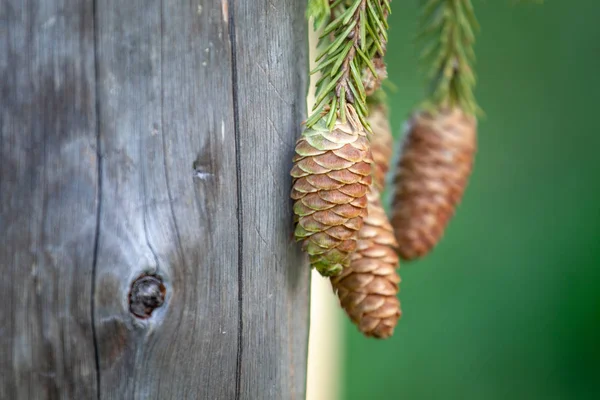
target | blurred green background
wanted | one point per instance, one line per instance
(508, 305)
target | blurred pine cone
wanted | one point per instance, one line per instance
(331, 177)
(367, 289)
(432, 174)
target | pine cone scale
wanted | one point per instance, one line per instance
(340, 232)
(352, 153)
(307, 166)
(344, 176)
(305, 149)
(354, 223)
(363, 169)
(335, 197)
(332, 161)
(315, 202)
(356, 190)
(322, 182)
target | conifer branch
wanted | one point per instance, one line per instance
(447, 32)
(353, 33)
(319, 10)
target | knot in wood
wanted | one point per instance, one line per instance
(147, 293)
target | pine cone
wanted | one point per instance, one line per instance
(372, 82)
(382, 144)
(432, 174)
(331, 176)
(367, 289)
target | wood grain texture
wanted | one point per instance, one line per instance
(169, 203)
(271, 62)
(151, 137)
(48, 193)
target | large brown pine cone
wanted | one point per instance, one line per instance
(432, 174)
(332, 174)
(367, 289)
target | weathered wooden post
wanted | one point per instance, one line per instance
(145, 232)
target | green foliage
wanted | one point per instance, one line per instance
(447, 34)
(354, 33)
(319, 10)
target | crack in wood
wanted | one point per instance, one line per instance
(240, 218)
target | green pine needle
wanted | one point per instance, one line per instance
(352, 33)
(447, 34)
(319, 10)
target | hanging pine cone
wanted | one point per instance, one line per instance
(432, 174)
(331, 176)
(367, 289)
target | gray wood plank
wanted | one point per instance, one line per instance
(185, 118)
(169, 202)
(271, 63)
(48, 199)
